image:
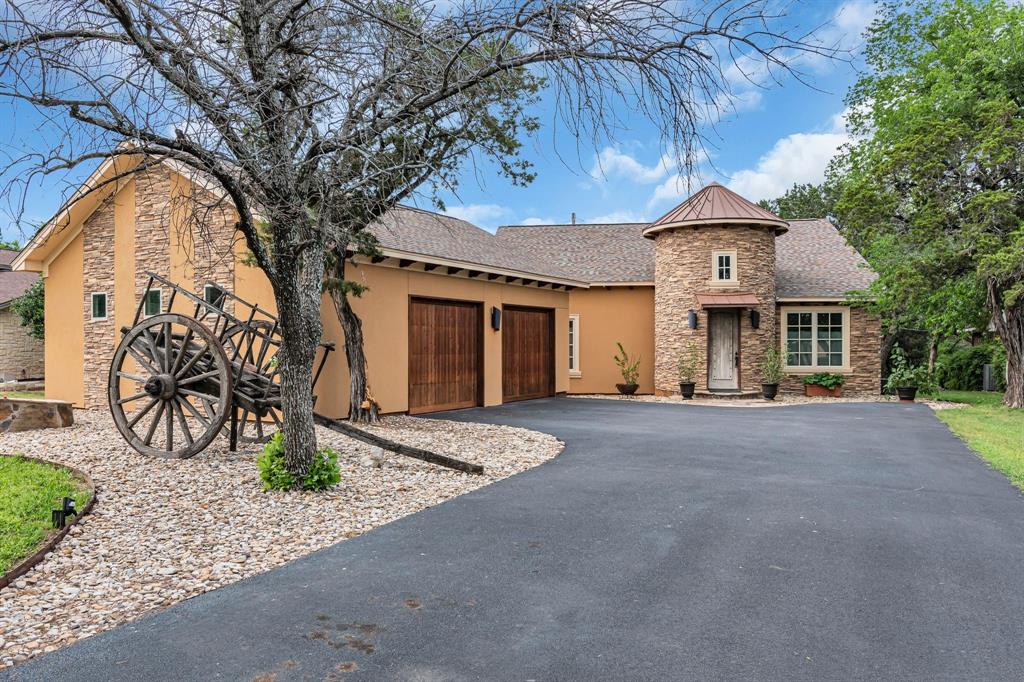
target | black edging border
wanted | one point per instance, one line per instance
(25, 565)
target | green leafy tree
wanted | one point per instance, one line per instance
(933, 186)
(30, 310)
(10, 245)
(804, 202)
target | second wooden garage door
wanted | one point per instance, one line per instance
(528, 353)
(445, 355)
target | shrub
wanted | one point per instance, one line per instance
(771, 366)
(688, 363)
(323, 471)
(902, 374)
(963, 368)
(629, 368)
(826, 379)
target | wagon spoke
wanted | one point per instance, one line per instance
(192, 362)
(192, 409)
(143, 360)
(169, 427)
(241, 422)
(156, 421)
(198, 377)
(132, 398)
(197, 394)
(133, 377)
(151, 342)
(142, 413)
(259, 427)
(167, 346)
(181, 351)
(180, 413)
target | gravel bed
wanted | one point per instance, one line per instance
(166, 530)
(780, 400)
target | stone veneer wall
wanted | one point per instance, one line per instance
(682, 268)
(98, 277)
(865, 376)
(210, 257)
(21, 356)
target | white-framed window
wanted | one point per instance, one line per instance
(816, 339)
(213, 294)
(723, 267)
(154, 302)
(574, 346)
(99, 306)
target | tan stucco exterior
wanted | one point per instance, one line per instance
(607, 315)
(64, 340)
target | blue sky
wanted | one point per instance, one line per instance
(775, 137)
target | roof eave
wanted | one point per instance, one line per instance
(781, 226)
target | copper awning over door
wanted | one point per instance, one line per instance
(715, 299)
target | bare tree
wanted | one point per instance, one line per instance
(317, 116)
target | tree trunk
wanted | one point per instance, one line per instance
(933, 355)
(297, 290)
(361, 406)
(1009, 324)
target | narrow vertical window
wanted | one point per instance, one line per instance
(213, 295)
(99, 306)
(574, 345)
(154, 302)
(723, 266)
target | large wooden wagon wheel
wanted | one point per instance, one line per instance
(170, 386)
(242, 347)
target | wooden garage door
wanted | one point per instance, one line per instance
(445, 355)
(528, 353)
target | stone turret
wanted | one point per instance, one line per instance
(715, 256)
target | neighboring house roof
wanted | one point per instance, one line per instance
(812, 260)
(12, 284)
(423, 233)
(715, 204)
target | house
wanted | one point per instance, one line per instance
(21, 356)
(456, 316)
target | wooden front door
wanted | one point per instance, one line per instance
(723, 359)
(445, 355)
(527, 353)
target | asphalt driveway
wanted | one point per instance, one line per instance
(840, 541)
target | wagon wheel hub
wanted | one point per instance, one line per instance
(161, 386)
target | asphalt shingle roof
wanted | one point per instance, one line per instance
(13, 284)
(811, 260)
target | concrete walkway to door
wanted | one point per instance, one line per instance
(817, 542)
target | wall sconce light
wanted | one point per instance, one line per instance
(59, 517)
(755, 319)
(691, 317)
(496, 318)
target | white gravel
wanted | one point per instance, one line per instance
(167, 530)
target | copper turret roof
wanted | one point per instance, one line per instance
(716, 204)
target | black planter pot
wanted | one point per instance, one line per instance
(906, 393)
(686, 389)
(769, 391)
(627, 389)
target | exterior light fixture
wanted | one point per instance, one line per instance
(495, 318)
(59, 517)
(691, 317)
(755, 319)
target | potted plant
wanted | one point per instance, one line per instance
(771, 373)
(630, 371)
(687, 370)
(905, 379)
(824, 384)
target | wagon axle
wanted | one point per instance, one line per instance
(162, 386)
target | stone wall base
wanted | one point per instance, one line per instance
(26, 415)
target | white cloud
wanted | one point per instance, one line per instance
(481, 215)
(796, 158)
(844, 31)
(612, 163)
(675, 188)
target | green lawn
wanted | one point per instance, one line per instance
(33, 395)
(30, 490)
(993, 431)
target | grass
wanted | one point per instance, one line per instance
(32, 395)
(989, 428)
(30, 490)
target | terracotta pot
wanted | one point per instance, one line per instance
(906, 393)
(627, 389)
(769, 391)
(818, 391)
(686, 389)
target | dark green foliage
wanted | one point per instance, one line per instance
(323, 470)
(902, 374)
(826, 379)
(30, 309)
(804, 202)
(10, 245)
(961, 369)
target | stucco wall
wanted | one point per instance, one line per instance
(21, 356)
(864, 375)
(683, 268)
(623, 314)
(64, 329)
